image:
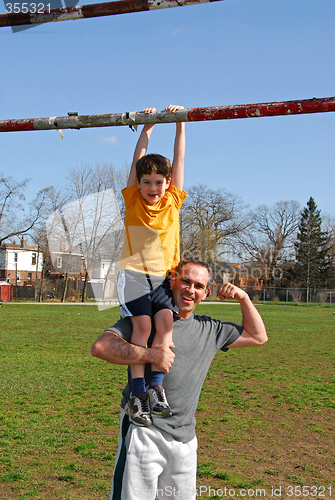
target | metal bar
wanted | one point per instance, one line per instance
(74, 121)
(93, 10)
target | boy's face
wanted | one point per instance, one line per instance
(153, 187)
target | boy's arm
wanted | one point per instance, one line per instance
(177, 175)
(141, 148)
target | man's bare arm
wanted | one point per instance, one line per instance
(254, 332)
(112, 348)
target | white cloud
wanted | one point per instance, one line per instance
(177, 31)
(109, 140)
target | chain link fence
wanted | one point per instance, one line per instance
(278, 295)
(53, 291)
(292, 295)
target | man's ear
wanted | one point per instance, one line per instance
(206, 293)
(168, 182)
(138, 183)
(173, 278)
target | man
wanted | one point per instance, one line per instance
(160, 462)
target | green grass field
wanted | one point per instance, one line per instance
(265, 418)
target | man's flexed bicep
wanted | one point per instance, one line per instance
(254, 332)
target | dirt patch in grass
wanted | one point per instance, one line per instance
(270, 448)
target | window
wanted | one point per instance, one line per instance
(15, 257)
(33, 259)
(59, 262)
(29, 276)
(17, 277)
(74, 264)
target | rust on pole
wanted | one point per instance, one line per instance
(74, 121)
(93, 10)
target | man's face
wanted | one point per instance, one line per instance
(189, 288)
(153, 187)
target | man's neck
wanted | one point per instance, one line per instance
(184, 315)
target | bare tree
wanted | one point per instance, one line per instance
(85, 179)
(14, 219)
(210, 219)
(54, 201)
(268, 241)
(91, 224)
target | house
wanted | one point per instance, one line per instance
(102, 273)
(227, 272)
(233, 273)
(66, 262)
(20, 264)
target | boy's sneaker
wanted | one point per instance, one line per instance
(158, 401)
(138, 410)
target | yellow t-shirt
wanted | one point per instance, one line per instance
(151, 243)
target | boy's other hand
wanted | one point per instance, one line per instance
(147, 111)
(172, 108)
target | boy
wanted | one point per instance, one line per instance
(153, 198)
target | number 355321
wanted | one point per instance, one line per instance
(24, 8)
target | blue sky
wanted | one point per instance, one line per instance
(227, 52)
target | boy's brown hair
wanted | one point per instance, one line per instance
(153, 163)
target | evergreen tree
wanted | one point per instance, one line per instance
(312, 263)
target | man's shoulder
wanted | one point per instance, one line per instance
(205, 319)
(213, 322)
(209, 333)
(197, 319)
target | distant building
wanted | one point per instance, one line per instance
(20, 264)
(102, 273)
(232, 273)
(66, 262)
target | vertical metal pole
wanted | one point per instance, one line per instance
(16, 281)
(36, 272)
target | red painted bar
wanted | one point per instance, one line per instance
(93, 10)
(17, 125)
(263, 109)
(315, 105)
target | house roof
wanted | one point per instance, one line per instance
(226, 267)
(20, 246)
(17, 246)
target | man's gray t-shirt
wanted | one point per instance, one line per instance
(197, 339)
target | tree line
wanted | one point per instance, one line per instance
(281, 245)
